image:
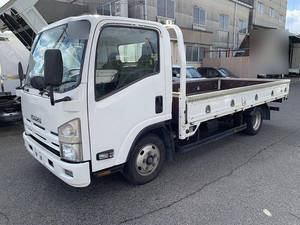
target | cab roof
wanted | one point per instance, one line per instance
(95, 19)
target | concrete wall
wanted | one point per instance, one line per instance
(195, 37)
(239, 66)
(296, 56)
(62, 10)
(264, 58)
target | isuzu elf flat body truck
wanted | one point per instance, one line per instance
(99, 98)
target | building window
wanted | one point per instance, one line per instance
(118, 8)
(194, 53)
(224, 22)
(242, 27)
(281, 19)
(272, 12)
(261, 8)
(166, 8)
(110, 9)
(199, 16)
(106, 10)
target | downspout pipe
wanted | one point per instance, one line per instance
(146, 10)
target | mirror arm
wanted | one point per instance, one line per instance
(21, 87)
(65, 99)
(51, 96)
(44, 92)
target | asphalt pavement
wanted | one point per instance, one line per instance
(238, 180)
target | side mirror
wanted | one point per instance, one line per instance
(20, 72)
(53, 67)
(53, 70)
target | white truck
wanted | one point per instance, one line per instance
(99, 98)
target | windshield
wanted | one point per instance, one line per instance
(190, 72)
(226, 73)
(193, 73)
(71, 39)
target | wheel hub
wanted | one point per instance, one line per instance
(147, 160)
(257, 120)
(150, 160)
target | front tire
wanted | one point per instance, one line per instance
(146, 160)
(254, 122)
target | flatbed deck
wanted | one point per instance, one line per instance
(214, 98)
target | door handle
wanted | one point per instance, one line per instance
(159, 104)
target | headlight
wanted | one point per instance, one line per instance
(69, 136)
(70, 132)
(71, 152)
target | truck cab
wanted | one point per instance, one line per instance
(114, 73)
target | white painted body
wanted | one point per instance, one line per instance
(115, 122)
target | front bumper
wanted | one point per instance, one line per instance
(80, 172)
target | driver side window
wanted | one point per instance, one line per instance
(124, 56)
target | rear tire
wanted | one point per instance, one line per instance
(146, 160)
(254, 122)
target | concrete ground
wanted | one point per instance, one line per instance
(239, 180)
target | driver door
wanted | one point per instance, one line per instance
(126, 80)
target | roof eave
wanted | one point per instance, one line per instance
(243, 4)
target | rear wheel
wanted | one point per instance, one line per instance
(146, 160)
(254, 122)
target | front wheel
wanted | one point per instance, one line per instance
(146, 160)
(254, 122)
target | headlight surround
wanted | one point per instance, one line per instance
(69, 135)
(70, 132)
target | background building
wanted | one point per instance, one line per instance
(206, 24)
(270, 13)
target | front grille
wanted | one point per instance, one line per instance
(56, 134)
(45, 145)
(38, 126)
(41, 136)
